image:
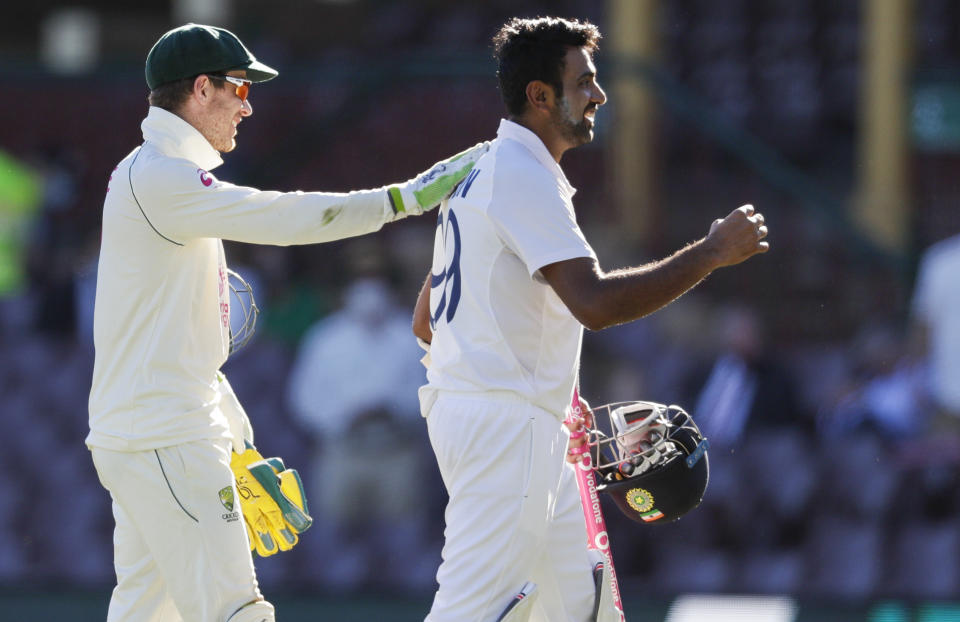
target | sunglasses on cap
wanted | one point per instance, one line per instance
(243, 86)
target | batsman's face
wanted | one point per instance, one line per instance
(576, 111)
(226, 112)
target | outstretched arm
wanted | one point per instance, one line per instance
(599, 300)
(183, 203)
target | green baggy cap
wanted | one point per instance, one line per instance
(194, 49)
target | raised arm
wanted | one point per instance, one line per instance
(598, 299)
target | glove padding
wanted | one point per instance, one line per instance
(428, 189)
(272, 500)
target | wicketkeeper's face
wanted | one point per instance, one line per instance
(225, 114)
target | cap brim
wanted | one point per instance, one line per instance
(258, 72)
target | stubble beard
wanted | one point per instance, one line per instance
(575, 131)
(224, 141)
(218, 130)
(219, 138)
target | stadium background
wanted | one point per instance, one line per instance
(840, 120)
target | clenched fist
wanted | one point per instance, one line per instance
(738, 237)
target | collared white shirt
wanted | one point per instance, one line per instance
(498, 325)
(161, 319)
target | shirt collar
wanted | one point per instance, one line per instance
(177, 138)
(515, 131)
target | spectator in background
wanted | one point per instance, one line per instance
(936, 327)
(21, 194)
(744, 384)
(354, 385)
(886, 392)
(56, 241)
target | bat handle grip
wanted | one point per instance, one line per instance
(596, 525)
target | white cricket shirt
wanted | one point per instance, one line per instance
(498, 325)
(161, 321)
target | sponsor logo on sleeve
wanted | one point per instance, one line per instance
(224, 300)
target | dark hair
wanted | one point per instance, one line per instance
(534, 49)
(171, 95)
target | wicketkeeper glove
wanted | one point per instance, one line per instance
(272, 500)
(428, 189)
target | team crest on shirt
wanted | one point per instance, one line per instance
(226, 497)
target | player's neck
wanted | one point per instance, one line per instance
(546, 132)
(200, 121)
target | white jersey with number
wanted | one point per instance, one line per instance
(497, 324)
(161, 320)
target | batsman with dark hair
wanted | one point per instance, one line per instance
(502, 313)
(191, 495)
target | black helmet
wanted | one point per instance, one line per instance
(650, 458)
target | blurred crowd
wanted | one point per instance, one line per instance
(826, 377)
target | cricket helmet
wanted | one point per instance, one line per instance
(650, 458)
(243, 311)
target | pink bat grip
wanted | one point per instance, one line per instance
(597, 538)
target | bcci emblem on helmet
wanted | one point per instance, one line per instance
(640, 500)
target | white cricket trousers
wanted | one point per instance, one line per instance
(514, 511)
(180, 545)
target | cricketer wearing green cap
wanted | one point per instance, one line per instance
(193, 49)
(165, 425)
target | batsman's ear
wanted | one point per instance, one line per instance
(539, 95)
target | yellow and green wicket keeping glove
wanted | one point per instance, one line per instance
(426, 190)
(272, 500)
